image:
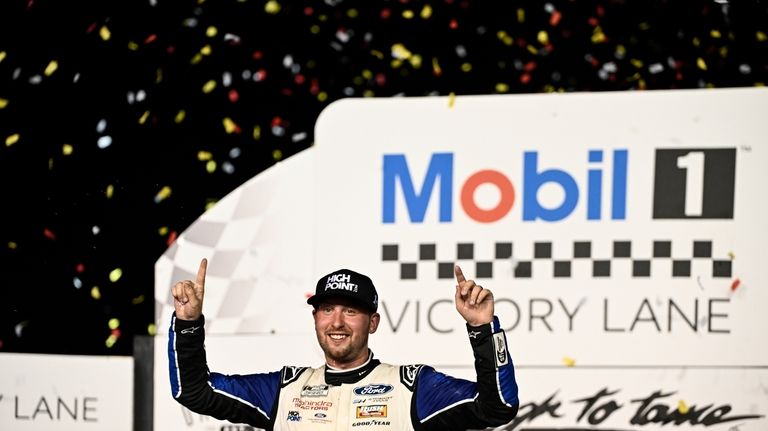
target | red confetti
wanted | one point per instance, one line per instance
(49, 234)
(525, 78)
(151, 38)
(453, 24)
(554, 19)
(299, 79)
(233, 95)
(257, 55)
(116, 332)
(735, 284)
(593, 21)
(171, 238)
(80, 268)
(385, 13)
(308, 11)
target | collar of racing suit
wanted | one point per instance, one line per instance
(337, 377)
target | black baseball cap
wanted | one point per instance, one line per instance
(345, 283)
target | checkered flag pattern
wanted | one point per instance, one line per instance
(582, 251)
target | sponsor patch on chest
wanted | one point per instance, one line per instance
(315, 391)
(371, 411)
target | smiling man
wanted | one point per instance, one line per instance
(353, 389)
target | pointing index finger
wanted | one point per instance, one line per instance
(200, 281)
(459, 274)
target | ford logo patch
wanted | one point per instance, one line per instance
(374, 389)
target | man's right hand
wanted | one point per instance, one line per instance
(188, 295)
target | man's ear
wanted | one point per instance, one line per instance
(375, 318)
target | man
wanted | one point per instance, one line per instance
(353, 390)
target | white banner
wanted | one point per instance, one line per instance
(65, 393)
(621, 234)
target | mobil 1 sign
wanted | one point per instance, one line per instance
(615, 229)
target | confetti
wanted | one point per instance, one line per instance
(12, 139)
(115, 275)
(3, 103)
(682, 407)
(735, 284)
(568, 361)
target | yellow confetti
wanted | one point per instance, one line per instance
(10, 140)
(314, 29)
(95, 293)
(51, 68)
(637, 63)
(367, 74)
(761, 36)
(152, 329)
(163, 194)
(568, 361)
(408, 14)
(2, 56)
(505, 38)
(111, 340)
(322, 96)
(731, 255)
(597, 35)
(209, 86)
(3, 103)
(277, 155)
(256, 132)
(67, 149)
(436, 69)
(12, 245)
(210, 166)
(137, 300)
(723, 51)
(163, 231)
(399, 51)
(532, 49)
(272, 7)
(104, 33)
(210, 203)
(369, 93)
(542, 37)
(109, 191)
(115, 275)
(211, 31)
(426, 12)
(352, 13)
(466, 67)
(180, 116)
(229, 125)
(701, 64)
(159, 76)
(451, 99)
(133, 46)
(204, 156)
(197, 58)
(206, 50)
(621, 51)
(696, 42)
(682, 407)
(715, 34)
(520, 15)
(378, 54)
(114, 323)
(143, 118)
(502, 87)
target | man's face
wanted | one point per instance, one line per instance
(342, 329)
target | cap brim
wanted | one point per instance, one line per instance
(315, 300)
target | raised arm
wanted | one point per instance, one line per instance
(447, 403)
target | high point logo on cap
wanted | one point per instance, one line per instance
(340, 281)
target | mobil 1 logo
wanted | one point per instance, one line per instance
(694, 183)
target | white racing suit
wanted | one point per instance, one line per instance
(374, 396)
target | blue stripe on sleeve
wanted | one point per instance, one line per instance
(173, 370)
(438, 392)
(256, 390)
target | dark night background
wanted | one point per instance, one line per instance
(122, 121)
